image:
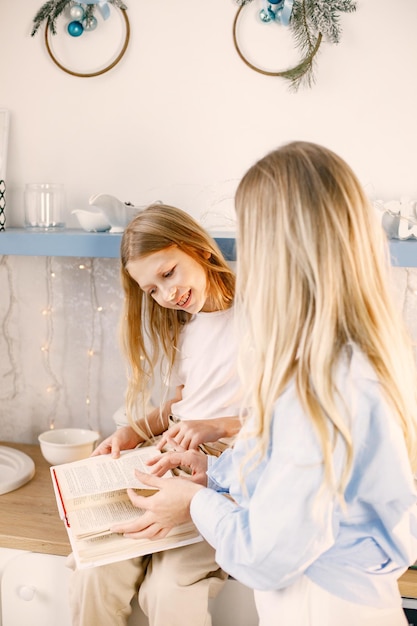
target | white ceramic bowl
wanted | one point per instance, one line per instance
(117, 213)
(120, 217)
(63, 445)
(92, 221)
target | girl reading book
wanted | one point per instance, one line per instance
(179, 294)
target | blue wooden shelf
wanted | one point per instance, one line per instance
(403, 253)
(63, 242)
(79, 243)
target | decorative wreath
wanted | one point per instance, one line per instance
(82, 19)
(310, 21)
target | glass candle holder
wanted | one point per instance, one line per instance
(44, 206)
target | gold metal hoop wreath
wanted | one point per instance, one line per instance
(102, 71)
(300, 68)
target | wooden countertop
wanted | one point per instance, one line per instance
(29, 518)
(408, 584)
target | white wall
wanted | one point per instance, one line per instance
(180, 118)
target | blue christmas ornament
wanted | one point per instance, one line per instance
(90, 23)
(272, 13)
(265, 16)
(75, 29)
(276, 10)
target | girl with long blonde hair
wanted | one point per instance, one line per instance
(322, 518)
(178, 312)
(151, 325)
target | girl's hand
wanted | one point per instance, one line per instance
(169, 507)
(189, 434)
(193, 461)
(124, 438)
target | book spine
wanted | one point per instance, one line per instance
(61, 498)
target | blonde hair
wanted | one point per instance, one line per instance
(311, 278)
(144, 321)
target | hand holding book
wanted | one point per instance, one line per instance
(169, 505)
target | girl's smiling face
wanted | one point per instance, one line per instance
(173, 279)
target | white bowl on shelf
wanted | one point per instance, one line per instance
(116, 212)
(92, 221)
(63, 445)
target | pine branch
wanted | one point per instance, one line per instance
(49, 12)
(307, 40)
(310, 21)
(325, 19)
(42, 15)
(300, 25)
(303, 73)
(89, 12)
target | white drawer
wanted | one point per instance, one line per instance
(34, 590)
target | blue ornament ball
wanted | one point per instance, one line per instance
(264, 15)
(77, 12)
(90, 23)
(75, 29)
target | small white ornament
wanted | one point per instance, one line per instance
(77, 12)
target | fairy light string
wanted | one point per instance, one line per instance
(53, 389)
(11, 373)
(96, 339)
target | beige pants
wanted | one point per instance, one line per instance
(174, 588)
(307, 604)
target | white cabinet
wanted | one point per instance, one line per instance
(34, 592)
(34, 589)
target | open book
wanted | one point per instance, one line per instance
(91, 497)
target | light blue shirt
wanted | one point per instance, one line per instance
(282, 525)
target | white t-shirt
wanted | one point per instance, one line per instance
(207, 367)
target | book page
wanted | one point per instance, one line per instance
(101, 512)
(90, 552)
(101, 474)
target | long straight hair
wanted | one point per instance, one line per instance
(149, 330)
(312, 277)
